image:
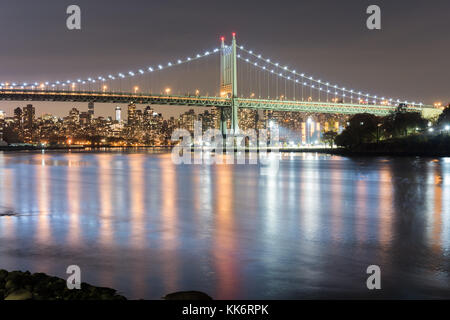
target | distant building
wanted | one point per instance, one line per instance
(85, 118)
(91, 109)
(118, 114)
(18, 117)
(74, 116)
(29, 113)
(131, 114)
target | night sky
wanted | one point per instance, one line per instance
(408, 58)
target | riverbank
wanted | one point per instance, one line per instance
(17, 285)
(363, 150)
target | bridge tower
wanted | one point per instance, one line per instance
(228, 85)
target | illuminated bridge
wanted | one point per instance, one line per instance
(268, 85)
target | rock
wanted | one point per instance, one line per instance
(188, 295)
(18, 285)
(19, 295)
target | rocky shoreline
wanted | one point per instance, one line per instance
(17, 285)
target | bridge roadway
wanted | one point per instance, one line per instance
(198, 101)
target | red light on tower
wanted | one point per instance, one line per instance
(222, 39)
(234, 34)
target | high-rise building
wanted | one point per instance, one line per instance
(29, 113)
(18, 117)
(85, 118)
(131, 114)
(74, 116)
(91, 108)
(118, 114)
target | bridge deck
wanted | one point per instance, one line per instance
(197, 101)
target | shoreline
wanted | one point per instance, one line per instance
(333, 151)
(18, 285)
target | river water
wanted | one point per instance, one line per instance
(136, 222)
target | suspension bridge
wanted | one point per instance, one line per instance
(269, 85)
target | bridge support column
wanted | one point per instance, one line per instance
(223, 121)
(228, 81)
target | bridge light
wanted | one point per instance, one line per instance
(160, 67)
(150, 69)
(136, 89)
(179, 61)
(259, 56)
(141, 71)
(168, 90)
(302, 75)
(268, 60)
(169, 64)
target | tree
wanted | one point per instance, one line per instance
(329, 137)
(401, 123)
(362, 128)
(444, 117)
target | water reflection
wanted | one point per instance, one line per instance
(140, 224)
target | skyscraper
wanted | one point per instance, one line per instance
(29, 113)
(91, 109)
(18, 117)
(131, 114)
(118, 114)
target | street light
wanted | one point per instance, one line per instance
(136, 89)
(168, 90)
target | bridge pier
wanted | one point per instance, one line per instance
(228, 84)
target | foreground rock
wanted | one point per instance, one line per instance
(188, 295)
(17, 285)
